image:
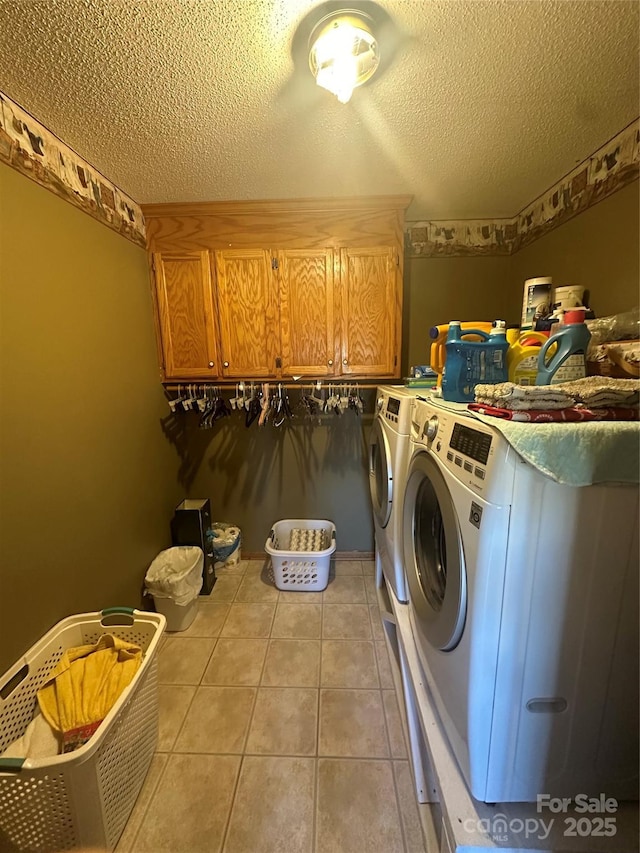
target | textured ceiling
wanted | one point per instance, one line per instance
(485, 105)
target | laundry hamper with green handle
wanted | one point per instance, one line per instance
(83, 798)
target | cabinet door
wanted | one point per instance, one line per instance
(307, 326)
(185, 314)
(247, 308)
(370, 311)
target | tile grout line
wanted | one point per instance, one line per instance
(400, 818)
(336, 757)
(152, 793)
(260, 677)
(391, 761)
(251, 718)
(316, 792)
(316, 775)
(169, 753)
(246, 738)
(181, 726)
(171, 749)
(393, 775)
(227, 822)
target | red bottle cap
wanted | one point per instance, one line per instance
(574, 316)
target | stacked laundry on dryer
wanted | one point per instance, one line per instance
(592, 391)
(591, 398)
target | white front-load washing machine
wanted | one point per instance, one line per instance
(524, 610)
(388, 461)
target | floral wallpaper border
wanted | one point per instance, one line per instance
(612, 167)
(34, 151)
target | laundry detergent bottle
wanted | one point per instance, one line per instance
(475, 330)
(522, 356)
(563, 357)
(470, 362)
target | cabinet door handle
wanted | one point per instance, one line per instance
(210, 364)
(225, 364)
(344, 361)
(330, 362)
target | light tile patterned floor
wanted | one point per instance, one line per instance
(279, 726)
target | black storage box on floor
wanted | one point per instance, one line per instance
(189, 526)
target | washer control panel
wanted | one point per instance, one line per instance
(476, 455)
(392, 409)
(466, 449)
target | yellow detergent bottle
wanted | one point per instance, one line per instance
(522, 355)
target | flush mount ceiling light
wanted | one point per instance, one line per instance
(343, 52)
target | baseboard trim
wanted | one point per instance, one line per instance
(354, 555)
(339, 555)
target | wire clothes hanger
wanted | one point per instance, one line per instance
(265, 402)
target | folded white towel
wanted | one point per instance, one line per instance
(38, 741)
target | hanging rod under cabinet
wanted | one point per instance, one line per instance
(264, 398)
(229, 384)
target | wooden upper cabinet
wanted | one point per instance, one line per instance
(371, 290)
(185, 314)
(270, 289)
(246, 285)
(307, 325)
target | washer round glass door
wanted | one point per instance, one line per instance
(434, 557)
(380, 474)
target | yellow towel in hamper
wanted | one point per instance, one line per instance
(85, 685)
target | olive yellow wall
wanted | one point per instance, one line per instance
(598, 249)
(87, 477)
(438, 290)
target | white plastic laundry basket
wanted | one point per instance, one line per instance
(295, 570)
(83, 798)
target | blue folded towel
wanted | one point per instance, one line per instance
(577, 454)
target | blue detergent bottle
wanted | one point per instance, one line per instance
(471, 362)
(566, 361)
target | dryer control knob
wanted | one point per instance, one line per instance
(380, 403)
(431, 428)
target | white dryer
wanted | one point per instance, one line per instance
(388, 461)
(524, 610)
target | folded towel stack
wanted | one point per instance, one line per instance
(594, 392)
(307, 540)
(506, 395)
(599, 392)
